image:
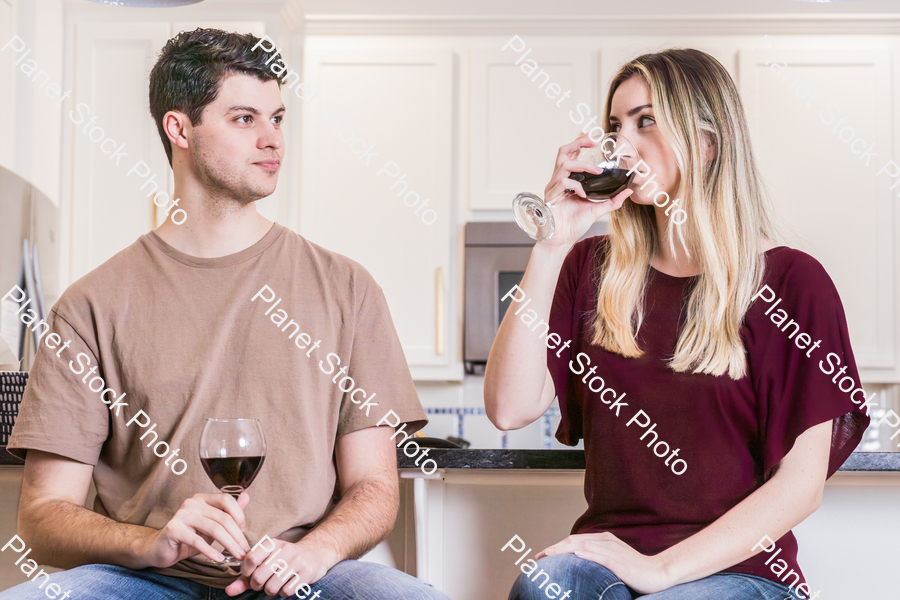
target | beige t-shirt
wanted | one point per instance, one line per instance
(183, 338)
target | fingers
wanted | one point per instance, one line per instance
(226, 503)
(207, 519)
(580, 166)
(569, 185)
(183, 534)
(571, 149)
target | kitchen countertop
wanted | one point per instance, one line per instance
(574, 459)
(555, 459)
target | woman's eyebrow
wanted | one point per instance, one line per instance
(633, 111)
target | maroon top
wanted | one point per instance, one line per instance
(730, 434)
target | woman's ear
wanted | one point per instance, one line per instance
(709, 147)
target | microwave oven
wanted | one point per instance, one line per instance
(496, 256)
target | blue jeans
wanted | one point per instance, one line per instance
(347, 580)
(589, 581)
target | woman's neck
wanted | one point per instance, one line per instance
(663, 260)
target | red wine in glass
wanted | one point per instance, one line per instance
(234, 474)
(605, 185)
(232, 452)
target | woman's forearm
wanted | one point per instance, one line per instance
(516, 369)
(791, 495)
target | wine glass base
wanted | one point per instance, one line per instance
(229, 562)
(533, 216)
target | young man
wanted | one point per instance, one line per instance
(226, 315)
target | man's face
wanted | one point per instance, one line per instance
(237, 147)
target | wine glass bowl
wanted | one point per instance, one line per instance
(232, 452)
(614, 153)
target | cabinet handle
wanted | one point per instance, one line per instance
(439, 304)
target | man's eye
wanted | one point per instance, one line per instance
(277, 120)
(244, 117)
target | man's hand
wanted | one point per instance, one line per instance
(301, 558)
(646, 574)
(201, 519)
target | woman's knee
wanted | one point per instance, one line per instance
(565, 577)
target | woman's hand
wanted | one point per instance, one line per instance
(573, 216)
(646, 574)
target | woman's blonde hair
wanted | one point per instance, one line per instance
(727, 212)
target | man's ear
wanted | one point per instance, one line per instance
(177, 126)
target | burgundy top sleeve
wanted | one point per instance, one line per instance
(801, 362)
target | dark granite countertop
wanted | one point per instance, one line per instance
(556, 459)
(574, 459)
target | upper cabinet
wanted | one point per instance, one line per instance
(376, 180)
(526, 101)
(824, 117)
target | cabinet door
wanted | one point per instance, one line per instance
(7, 81)
(834, 203)
(109, 210)
(377, 145)
(517, 127)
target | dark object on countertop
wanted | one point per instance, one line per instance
(430, 442)
(460, 441)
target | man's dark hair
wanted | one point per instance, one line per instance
(190, 69)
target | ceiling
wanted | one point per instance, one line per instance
(593, 7)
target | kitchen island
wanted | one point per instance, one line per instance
(460, 517)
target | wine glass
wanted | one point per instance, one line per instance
(615, 154)
(232, 452)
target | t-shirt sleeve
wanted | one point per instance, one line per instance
(378, 366)
(59, 414)
(803, 382)
(564, 322)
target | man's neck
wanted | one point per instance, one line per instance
(207, 235)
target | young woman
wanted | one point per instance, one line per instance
(692, 358)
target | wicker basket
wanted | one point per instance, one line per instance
(12, 386)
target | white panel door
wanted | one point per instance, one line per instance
(8, 77)
(112, 68)
(815, 167)
(377, 141)
(518, 121)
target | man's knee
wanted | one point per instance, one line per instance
(384, 582)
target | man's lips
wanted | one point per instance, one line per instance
(271, 165)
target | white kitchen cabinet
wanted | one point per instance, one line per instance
(516, 125)
(377, 143)
(836, 206)
(7, 80)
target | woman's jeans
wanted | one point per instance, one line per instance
(589, 581)
(347, 580)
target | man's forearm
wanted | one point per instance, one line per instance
(359, 521)
(65, 535)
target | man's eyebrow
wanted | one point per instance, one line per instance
(633, 111)
(251, 110)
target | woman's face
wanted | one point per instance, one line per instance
(632, 115)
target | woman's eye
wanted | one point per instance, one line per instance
(243, 117)
(614, 126)
(641, 120)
